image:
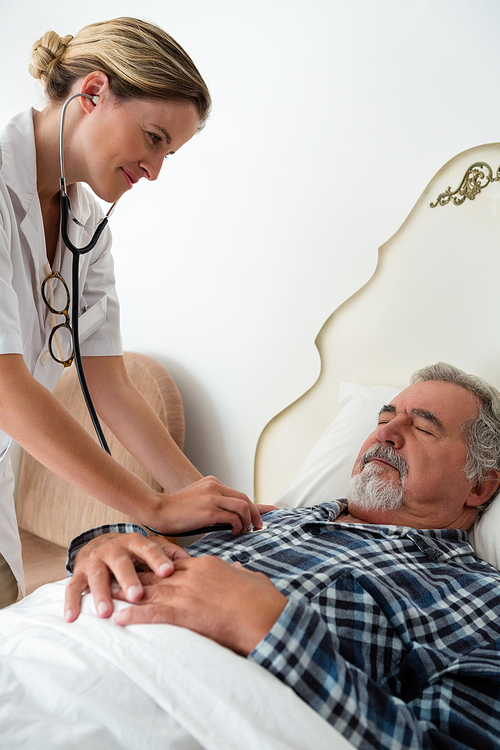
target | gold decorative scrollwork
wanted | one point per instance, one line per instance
(477, 177)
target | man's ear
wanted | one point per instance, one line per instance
(482, 491)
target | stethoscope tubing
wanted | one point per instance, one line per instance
(66, 213)
(78, 357)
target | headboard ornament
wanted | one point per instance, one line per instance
(477, 177)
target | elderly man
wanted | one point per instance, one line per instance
(374, 610)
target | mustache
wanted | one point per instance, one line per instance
(388, 454)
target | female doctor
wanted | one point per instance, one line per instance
(141, 99)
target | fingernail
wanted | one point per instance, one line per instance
(134, 592)
(68, 615)
(102, 609)
(116, 617)
(164, 569)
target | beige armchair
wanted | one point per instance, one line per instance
(50, 511)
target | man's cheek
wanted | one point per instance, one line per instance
(357, 465)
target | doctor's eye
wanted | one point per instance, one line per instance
(155, 138)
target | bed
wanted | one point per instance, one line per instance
(176, 689)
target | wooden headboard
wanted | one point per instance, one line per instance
(434, 296)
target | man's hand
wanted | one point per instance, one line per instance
(227, 603)
(204, 503)
(116, 556)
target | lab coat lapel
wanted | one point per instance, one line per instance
(19, 173)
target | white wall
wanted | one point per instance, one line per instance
(329, 119)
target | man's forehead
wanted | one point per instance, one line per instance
(447, 401)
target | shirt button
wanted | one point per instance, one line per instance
(45, 358)
(311, 528)
(244, 557)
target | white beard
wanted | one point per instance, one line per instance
(370, 490)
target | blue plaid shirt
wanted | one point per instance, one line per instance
(392, 634)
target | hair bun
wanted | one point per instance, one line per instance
(46, 53)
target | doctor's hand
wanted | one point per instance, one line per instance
(204, 503)
(116, 556)
(230, 605)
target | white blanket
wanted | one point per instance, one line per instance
(92, 685)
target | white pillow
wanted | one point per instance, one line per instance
(325, 473)
(485, 536)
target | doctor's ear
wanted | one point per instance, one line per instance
(96, 86)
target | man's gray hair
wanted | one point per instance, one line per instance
(482, 433)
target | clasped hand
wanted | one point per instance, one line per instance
(227, 603)
(224, 602)
(116, 556)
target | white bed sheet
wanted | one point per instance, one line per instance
(94, 685)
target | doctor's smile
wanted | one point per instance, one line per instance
(130, 177)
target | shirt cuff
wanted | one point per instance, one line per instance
(82, 539)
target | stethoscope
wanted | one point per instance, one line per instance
(66, 215)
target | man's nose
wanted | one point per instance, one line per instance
(393, 432)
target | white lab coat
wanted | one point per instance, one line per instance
(25, 321)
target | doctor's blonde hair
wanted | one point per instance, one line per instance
(139, 58)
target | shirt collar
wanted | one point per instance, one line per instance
(438, 544)
(18, 167)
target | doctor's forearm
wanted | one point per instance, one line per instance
(130, 417)
(33, 417)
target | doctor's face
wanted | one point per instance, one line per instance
(418, 451)
(122, 141)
